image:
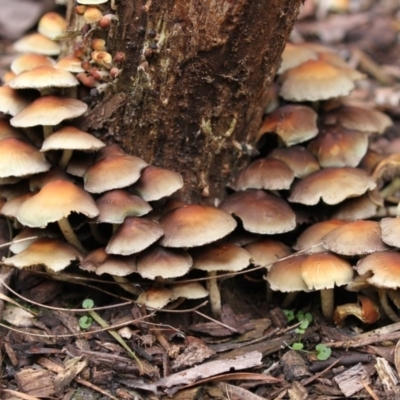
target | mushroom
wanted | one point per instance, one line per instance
(38, 44)
(26, 62)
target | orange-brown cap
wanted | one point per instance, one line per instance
(356, 208)
(70, 63)
(12, 101)
(265, 252)
(52, 25)
(293, 55)
(260, 212)
(157, 297)
(390, 231)
(195, 225)
(26, 62)
(38, 44)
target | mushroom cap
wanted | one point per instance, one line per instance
(91, 2)
(27, 236)
(49, 110)
(158, 261)
(38, 44)
(300, 160)
(332, 186)
(71, 138)
(355, 238)
(294, 55)
(292, 123)
(221, 257)
(102, 263)
(52, 25)
(195, 225)
(315, 80)
(336, 146)
(44, 76)
(390, 231)
(385, 267)
(265, 252)
(26, 62)
(37, 181)
(312, 236)
(264, 173)
(285, 275)
(12, 101)
(113, 172)
(359, 118)
(116, 205)
(260, 212)
(356, 208)
(54, 254)
(134, 235)
(324, 270)
(18, 158)
(56, 201)
(6, 131)
(11, 207)
(387, 169)
(157, 297)
(190, 290)
(70, 63)
(155, 183)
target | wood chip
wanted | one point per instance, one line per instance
(294, 367)
(35, 382)
(297, 392)
(351, 380)
(386, 374)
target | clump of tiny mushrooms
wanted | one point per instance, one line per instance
(321, 166)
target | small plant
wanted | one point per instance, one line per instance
(322, 352)
(85, 322)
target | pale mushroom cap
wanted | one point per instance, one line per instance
(359, 118)
(158, 261)
(385, 267)
(293, 55)
(21, 241)
(6, 131)
(265, 252)
(52, 25)
(18, 158)
(190, 290)
(44, 76)
(315, 80)
(37, 181)
(134, 235)
(264, 173)
(155, 183)
(285, 276)
(70, 63)
(116, 205)
(355, 238)
(49, 110)
(38, 44)
(332, 186)
(356, 208)
(195, 225)
(91, 2)
(156, 297)
(11, 101)
(312, 236)
(339, 147)
(26, 62)
(113, 172)
(54, 202)
(300, 160)
(292, 123)
(323, 271)
(71, 138)
(260, 212)
(11, 207)
(390, 231)
(54, 254)
(221, 257)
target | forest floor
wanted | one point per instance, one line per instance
(258, 350)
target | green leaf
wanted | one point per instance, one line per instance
(85, 322)
(323, 352)
(289, 315)
(299, 331)
(300, 316)
(308, 317)
(304, 324)
(88, 303)
(297, 346)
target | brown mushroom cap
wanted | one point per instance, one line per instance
(52, 25)
(355, 238)
(312, 236)
(195, 225)
(158, 261)
(155, 183)
(292, 123)
(54, 254)
(38, 44)
(12, 101)
(70, 63)
(300, 160)
(264, 173)
(339, 147)
(332, 186)
(315, 80)
(390, 231)
(356, 208)
(49, 110)
(294, 55)
(134, 235)
(385, 267)
(260, 212)
(36, 182)
(18, 158)
(6, 131)
(54, 202)
(190, 290)
(26, 62)
(156, 297)
(221, 257)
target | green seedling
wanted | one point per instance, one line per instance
(323, 352)
(85, 322)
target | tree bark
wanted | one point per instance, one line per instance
(191, 92)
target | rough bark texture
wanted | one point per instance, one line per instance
(191, 92)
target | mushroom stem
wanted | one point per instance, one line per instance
(64, 160)
(214, 294)
(289, 299)
(327, 303)
(127, 285)
(386, 307)
(69, 234)
(390, 189)
(47, 130)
